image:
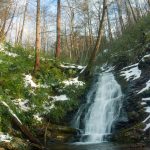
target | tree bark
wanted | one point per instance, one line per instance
(24, 18)
(38, 43)
(58, 41)
(98, 41)
(134, 17)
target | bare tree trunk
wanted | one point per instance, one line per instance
(11, 21)
(134, 17)
(24, 18)
(109, 27)
(120, 15)
(58, 42)
(38, 43)
(98, 41)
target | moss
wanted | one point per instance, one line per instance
(130, 135)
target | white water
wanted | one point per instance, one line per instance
(104, 109)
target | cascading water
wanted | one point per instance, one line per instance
(101, 110)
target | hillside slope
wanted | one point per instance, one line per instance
(36, 99)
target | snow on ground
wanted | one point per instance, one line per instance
(28, 81)
(146, 88)
(49, 106)
(59, 98)
(146, 99)
(2, 49)
(72, 66)
(146, 121)
(73, 81)
(37, 117)
(147, 109)
(143, 103)
(131, 72)
(11, 54)
(146, 56)
(147, 126)
(23, 104)
(5, 137)
(107, 68)
(128, 67)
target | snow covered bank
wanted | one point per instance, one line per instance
(146, 88)
(131, 72)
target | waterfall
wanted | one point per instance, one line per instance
(102, 109)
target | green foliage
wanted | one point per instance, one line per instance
(49, 80)
(129, 46)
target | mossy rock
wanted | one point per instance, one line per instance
(133, 134)
(15, 144)
(58, 134)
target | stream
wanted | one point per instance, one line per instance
(97, 117)
(102, 146)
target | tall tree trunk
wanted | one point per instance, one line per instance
(98, 41)
(109, 27)
(38, 43)
(134, 16)
(24, 18)
(58, 42)
(120, 15)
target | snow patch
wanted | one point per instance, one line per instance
(146, 88)
(23, 104)
(11, 54)
(5, 137)
(143, 103)
(146, 99)
(133, 72)
(59, 98)
(134, 65)
(147, 127)
(37, 117)
(73, 81)
(29, 82)
(147, 109)
(73, 66)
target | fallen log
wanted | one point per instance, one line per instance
(25, 131)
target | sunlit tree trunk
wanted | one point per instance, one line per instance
(98, 41)
(24, 18)
(58, 42)
(38, 44)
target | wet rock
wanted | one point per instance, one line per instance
(57, 134)
(134, 134)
